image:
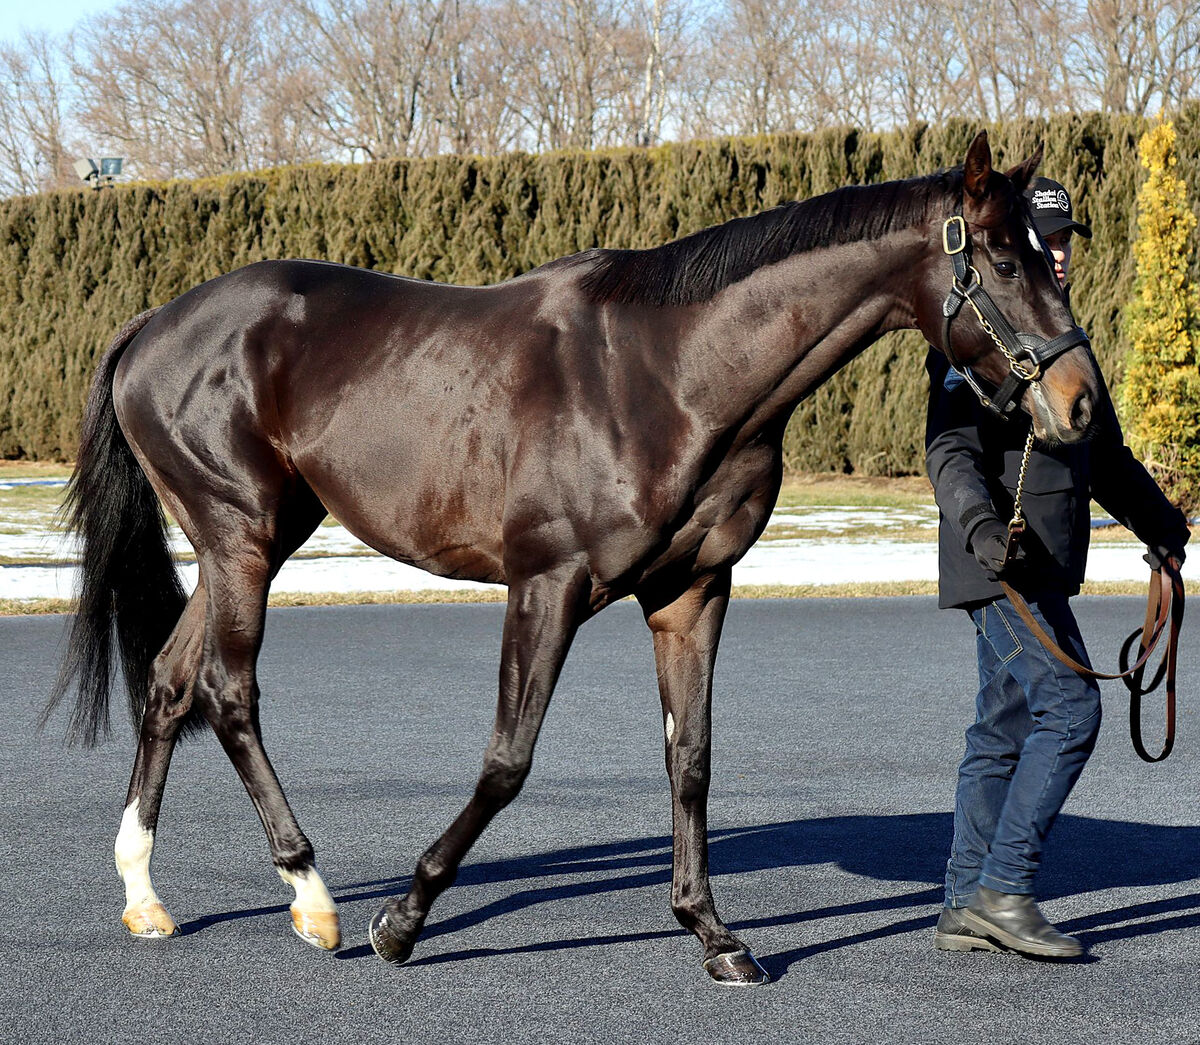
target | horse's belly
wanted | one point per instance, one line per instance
(467, 562)
(436, 548)
(444, 519)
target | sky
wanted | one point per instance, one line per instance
(56, 16)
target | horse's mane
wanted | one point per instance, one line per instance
(693, 269)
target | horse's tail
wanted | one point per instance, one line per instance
(128, 577)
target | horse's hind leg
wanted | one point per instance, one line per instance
(543, 615)
(169, 698)
(237, 575)
(209, 662)
(686, 633)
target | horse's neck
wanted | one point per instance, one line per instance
(766, 342)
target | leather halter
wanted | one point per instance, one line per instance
(1028, 354)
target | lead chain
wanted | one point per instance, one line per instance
(1017, 524)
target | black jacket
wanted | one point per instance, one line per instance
(974, 458)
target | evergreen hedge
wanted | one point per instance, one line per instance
(78, 264)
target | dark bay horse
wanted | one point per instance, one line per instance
(609, 424)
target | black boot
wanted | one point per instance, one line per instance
(952, 935)
(1015, 921)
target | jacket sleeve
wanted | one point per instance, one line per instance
(953, 452)
(1124, 489)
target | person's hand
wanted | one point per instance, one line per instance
(1157, 554)
(989, 542)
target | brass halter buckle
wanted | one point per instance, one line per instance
(959, 225)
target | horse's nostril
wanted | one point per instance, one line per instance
(1081, 412)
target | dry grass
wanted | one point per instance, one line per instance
(1117, 587)
(869, 589)
(33, 607)
(34, 470)
(386, 598)
(855, 491)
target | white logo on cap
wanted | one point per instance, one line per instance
(1044, 199)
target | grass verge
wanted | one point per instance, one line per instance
(880, 589)
(856, 491)
(34, 470)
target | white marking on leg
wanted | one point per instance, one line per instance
(670, 725)
(314, 914)
(311, 894)
(132, 851)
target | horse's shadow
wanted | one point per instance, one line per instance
(1086, 855)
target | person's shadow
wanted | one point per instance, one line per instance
(1095, 855)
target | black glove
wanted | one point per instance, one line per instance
(989, 542)
(1157, 554)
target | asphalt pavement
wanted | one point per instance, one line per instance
(837, 730)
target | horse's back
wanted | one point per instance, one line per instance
(295, 339)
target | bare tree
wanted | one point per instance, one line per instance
(571, 69)
(33, 116)
(1045, 42)
(662, 38)
(654, 81)
(844, 66)
(918, 62)
(172, 83)
(287, 127)
(468, 93)
(755, 57)
(1141, 54)
(376, 60)
(283, 105)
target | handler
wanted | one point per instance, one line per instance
(1036, 720)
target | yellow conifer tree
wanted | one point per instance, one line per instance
(1161, 394)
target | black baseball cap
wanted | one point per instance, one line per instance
(1050, 205)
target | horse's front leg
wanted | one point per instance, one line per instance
(686, 633)
(543, 614)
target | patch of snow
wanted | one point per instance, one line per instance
(792, 562)
(12, 484)
(837, 520)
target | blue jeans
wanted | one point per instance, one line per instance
(1036, 724)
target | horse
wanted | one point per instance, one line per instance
(607, 425)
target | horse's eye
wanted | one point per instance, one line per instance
(1007, 269)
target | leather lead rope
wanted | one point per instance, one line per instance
(1164, 601)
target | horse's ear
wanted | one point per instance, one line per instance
(977, 168)
(1022, 174)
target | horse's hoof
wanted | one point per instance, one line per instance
(736, 969)
(149, 921)
(320, 928)
(386, 943)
